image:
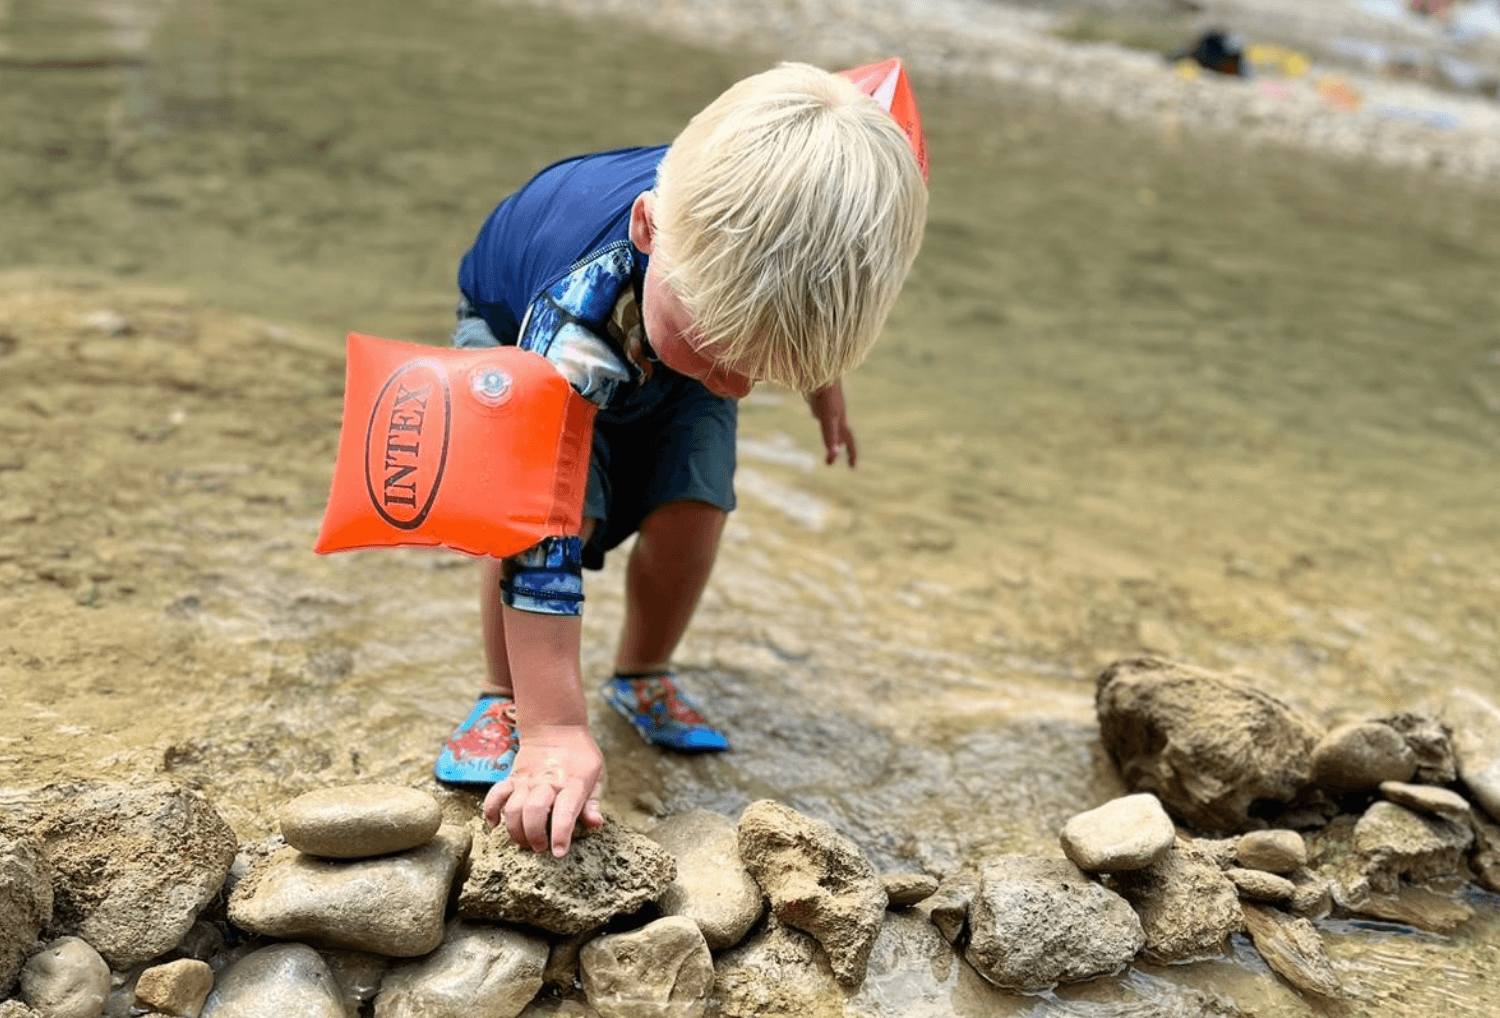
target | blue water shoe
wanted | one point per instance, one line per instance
(662, 713)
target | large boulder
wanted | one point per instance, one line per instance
(1037, 922)
(817, 881)
(132, 865)
(1211, 747)
(607, 873)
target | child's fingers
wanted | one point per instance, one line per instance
(570, 803)
(534, 817)
(494, 802)
(593, 817)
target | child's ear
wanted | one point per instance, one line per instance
(643, 221)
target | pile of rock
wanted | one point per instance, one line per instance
(1244, 818)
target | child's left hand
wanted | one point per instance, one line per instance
(828, 406)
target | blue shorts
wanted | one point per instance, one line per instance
(667, 440)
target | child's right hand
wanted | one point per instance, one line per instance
(555, 778)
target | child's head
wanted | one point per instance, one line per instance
(785, 218)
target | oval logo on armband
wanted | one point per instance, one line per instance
(406, 443)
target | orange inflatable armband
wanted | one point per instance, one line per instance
(887, 84)
(482, 451)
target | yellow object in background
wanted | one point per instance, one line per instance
(1269, 58)
(1187, 69)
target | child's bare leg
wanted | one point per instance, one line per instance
(668, 569)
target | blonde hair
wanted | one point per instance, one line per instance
(788, 213)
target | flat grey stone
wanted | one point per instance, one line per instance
(1396, 843)
(1128, 833)
(360, 821)
(1441, 802)
(392, 905)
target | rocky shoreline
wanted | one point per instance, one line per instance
(1344, 109)
(1243, 818)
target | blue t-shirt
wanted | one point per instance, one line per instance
(550, 262)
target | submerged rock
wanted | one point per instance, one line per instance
(712, 886)
(25, 902)
(663, 968)
(392, 905)
(360, 821)
(66, 979)
(607, 873)
(1293, 949)
(1358, 757)
(479, 970)
(133, 865)
(1187, 906)
(1209, 746)
(1420, 907)
(948, 908)
(1128, 833)
(1037, 922)
(817, 881)
(283, 979)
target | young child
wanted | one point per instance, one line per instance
(769, 241)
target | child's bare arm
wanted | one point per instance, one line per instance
(557, 770)
(829, 408)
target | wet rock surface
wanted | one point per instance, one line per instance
(817, 880)
(493, 971)
(132, 866)
(282, 979)
(1038, 922)
(1129, 833)
(1187, 906)
(1293, 949)
(66, 979)
(25, 901)
(610, 872)
(360, 821)
(1358, 757)
(1476, 738)
(391, 905)
(1207, 745)
(711, 886)
(179, 987)
(663, 968)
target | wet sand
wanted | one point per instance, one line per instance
(1143, 392)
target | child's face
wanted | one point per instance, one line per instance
(669, 327)
(669, 330)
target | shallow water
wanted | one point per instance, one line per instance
(1142, 393)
